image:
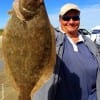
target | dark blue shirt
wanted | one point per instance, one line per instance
(77, 74)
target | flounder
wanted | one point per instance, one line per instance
(29, 46)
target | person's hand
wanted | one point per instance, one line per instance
(17, 11)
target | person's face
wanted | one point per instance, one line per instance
(70, 21)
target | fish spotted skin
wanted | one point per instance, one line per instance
(29, 49)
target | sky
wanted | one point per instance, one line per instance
(90, 12)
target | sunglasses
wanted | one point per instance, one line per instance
(67, 18)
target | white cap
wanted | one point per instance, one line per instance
(67, 7)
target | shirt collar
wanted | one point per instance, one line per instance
(70, 40)
(80, 36)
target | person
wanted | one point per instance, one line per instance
(76, 74)
(77, 71)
